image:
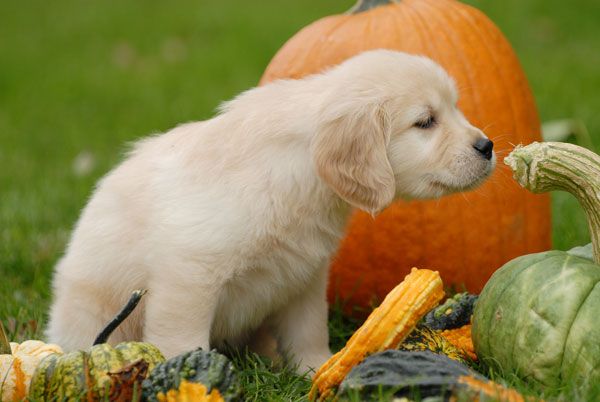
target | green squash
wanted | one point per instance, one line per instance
(209, 368)
(83, 374)
(418, 375)
(87, 374)
(537, 316)
(455, 312)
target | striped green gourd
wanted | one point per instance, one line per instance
(209, 368)
(86, 375)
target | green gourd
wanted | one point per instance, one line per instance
(537, 316)
(90, 374)
(209, 368)
(455, 312)
(419, 375)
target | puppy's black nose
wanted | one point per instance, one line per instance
(484, 147)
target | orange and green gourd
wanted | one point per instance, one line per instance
(462, 339)
(446, 329)
(465, 236)
(386, 328)
(423, 338)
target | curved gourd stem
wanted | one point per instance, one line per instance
(135, 298)
(364, 5)
(4, 343)
(543, 167)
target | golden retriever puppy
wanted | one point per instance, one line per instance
(230, 223)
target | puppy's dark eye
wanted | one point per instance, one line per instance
(427, 123)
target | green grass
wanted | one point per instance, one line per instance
(82, 79)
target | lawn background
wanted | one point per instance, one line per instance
(81, 79)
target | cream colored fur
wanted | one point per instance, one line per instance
(230, 222)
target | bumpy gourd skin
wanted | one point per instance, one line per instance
(446, 329)
(211, 369)
(423, 338)
(84, 374)
(420, 375)
(408, 373)
(455, 312)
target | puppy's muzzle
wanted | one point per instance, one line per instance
(484, 146)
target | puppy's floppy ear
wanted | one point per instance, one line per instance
(350, 154)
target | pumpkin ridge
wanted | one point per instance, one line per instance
(514, 121)
(294, 57)
(368, 28)
(460, 16)
(485, 34)
(472, 94)
(562, 360)
(424, 44)
(398, 12)
(424, 34)
(443, 28)
(315, 52)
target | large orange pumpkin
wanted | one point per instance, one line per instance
(466, 236)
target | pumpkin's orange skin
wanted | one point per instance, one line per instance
(465, 236)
